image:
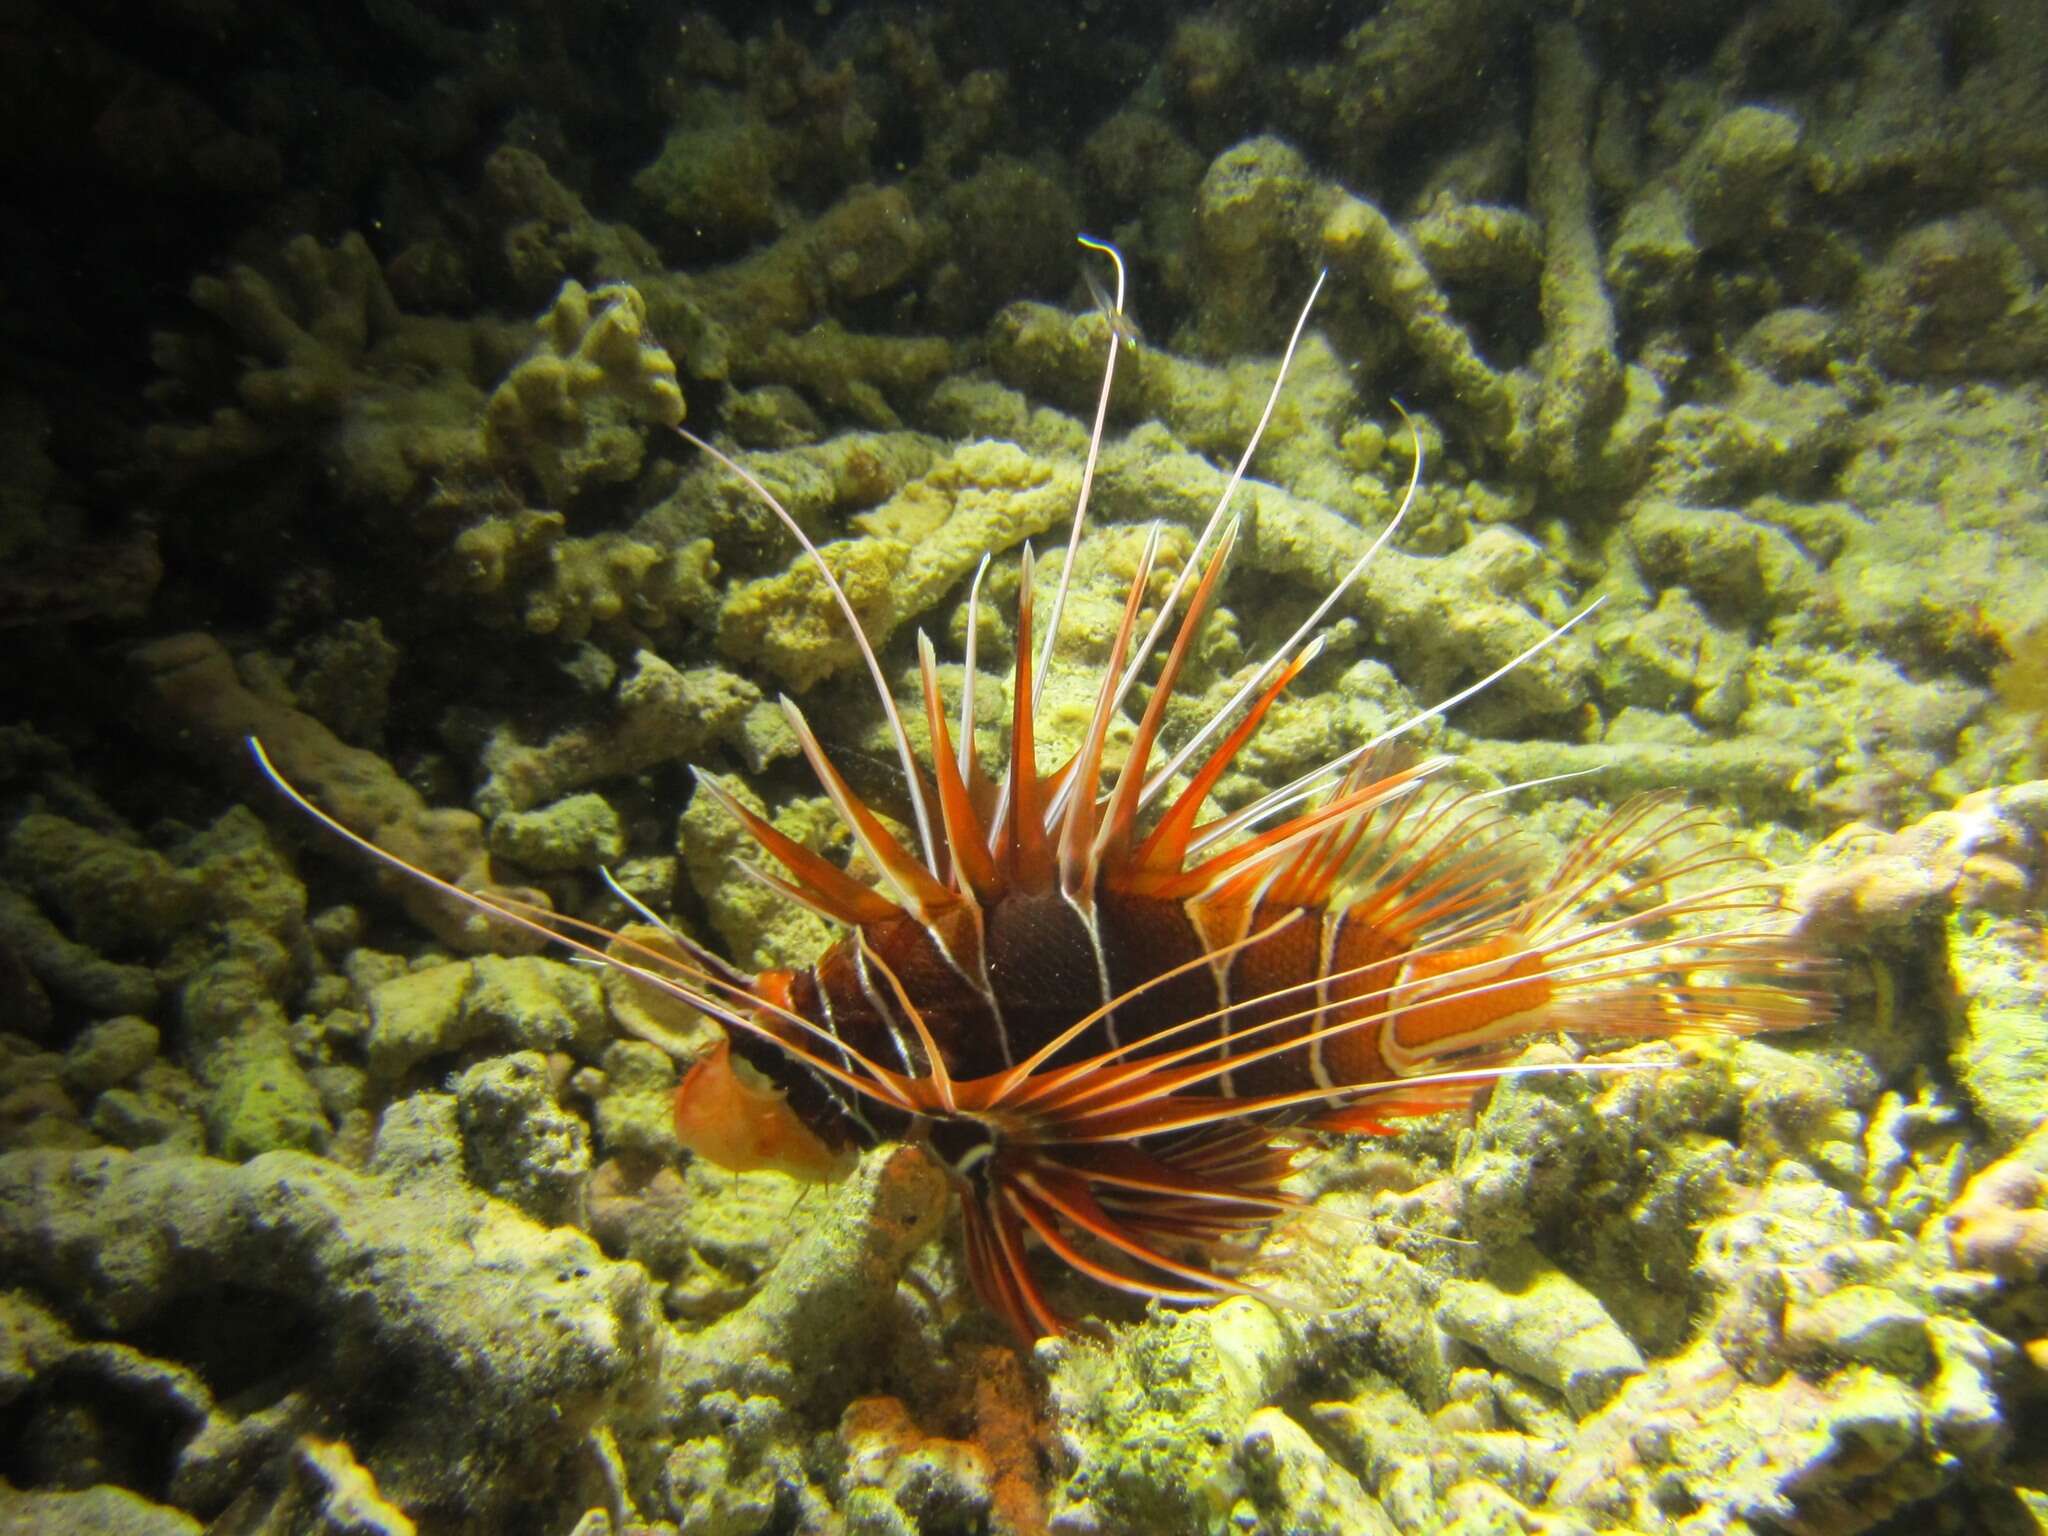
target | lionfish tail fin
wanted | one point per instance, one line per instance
(1640, 933)
(1762, 987)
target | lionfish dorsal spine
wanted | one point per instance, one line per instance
(969, 763)
(917, 889)
(825, 887)
(1161, 858)
(1119, 825)
(970, 865)
(1024, 855)
(1088, 467)
(1076, 810)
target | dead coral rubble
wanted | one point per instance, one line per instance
(1955, 901)
(194, 681)
(510, 1342)
(1729, 319)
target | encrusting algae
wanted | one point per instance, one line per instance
(1450, 1162)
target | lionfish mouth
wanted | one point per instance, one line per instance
(1116, 1021)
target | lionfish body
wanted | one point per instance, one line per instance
(1114, 1021)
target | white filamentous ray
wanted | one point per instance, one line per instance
(1059, 600)
(912, 779)
(1316, 778)
(1287, 650)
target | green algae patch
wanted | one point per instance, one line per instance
(1150, 1423)
(1998, 1021)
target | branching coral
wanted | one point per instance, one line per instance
(193, 679)
(662, 715)
(386, 401)
(574, 412)
(984, 497)
(1581, 388)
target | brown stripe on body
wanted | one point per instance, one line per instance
(940, 969)
(1356, 943)
(1146, 937)
(1042, 968)
(847, 995)
(1277, 964)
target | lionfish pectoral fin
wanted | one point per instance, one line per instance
(504, 918)
(736, 1005)
(1060, 1210)
(728, 1114)
(1382, 1115)
(1000, 1269)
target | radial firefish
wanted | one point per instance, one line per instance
(1116, 1018)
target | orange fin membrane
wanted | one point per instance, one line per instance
(728, 1114)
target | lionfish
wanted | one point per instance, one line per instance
(1117, 1021)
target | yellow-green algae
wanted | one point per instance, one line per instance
(1680, 334)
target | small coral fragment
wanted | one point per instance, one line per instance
(576, 410)
(578, 832)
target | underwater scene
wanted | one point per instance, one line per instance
(1085, 767)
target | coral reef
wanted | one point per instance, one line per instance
(420, 1284)
(193, 680)
(346, 350)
